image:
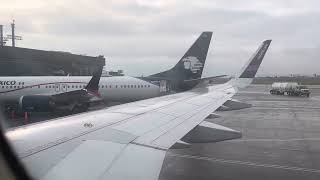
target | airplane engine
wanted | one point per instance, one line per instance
(36, 103)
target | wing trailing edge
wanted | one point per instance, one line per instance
(207, 132)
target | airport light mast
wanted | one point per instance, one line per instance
(13, 37)
(1, 36)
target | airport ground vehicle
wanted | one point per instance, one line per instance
(289, 88)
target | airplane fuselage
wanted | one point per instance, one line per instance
(117, 88)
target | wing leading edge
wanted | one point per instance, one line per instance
(128, 141)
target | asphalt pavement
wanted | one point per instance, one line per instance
(281, 140)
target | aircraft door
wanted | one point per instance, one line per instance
(163, 86)
(64, 87)
(57, 87)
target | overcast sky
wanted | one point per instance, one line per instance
(144, 37)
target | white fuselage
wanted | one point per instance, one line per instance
(117, 88)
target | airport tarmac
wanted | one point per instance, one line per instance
(281, 140)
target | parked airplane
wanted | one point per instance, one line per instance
(183, 76)
(75, 101)
(128, 141)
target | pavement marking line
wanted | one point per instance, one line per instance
(291, 168)
(280, 140)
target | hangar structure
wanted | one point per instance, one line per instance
(16, 61)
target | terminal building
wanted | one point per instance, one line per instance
(16, 61)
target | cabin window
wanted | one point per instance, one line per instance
(148, 85)
(102, 86)
(116, 86)
(124, 86)
(110, 86)
(2, 87)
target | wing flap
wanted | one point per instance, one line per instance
(175, 134)
(139, 162)
(168, 134)
(91, 159)
(94, 159)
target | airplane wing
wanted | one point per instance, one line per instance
(203, 81)
(205, 78)
(128, 141)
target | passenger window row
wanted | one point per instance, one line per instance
(48, 86)
(80, 86)
(125, 86)
(10, 87)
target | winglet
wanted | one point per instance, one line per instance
(249, 71)
(93, 85)
(251, 68)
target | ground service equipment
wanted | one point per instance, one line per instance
(289, 88)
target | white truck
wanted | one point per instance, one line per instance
(289, 88)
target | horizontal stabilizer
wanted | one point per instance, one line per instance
(205, 79)
(207, 132)
(201, 82)
(213, 116)
(231, 105)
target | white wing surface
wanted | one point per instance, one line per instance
(128, 141)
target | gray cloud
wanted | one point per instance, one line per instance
(148, 36)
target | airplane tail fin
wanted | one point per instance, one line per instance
(93, 85)
(248, 72)
(191, 64)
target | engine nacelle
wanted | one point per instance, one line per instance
(36, 103)
(207, 132)
(233, 105)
